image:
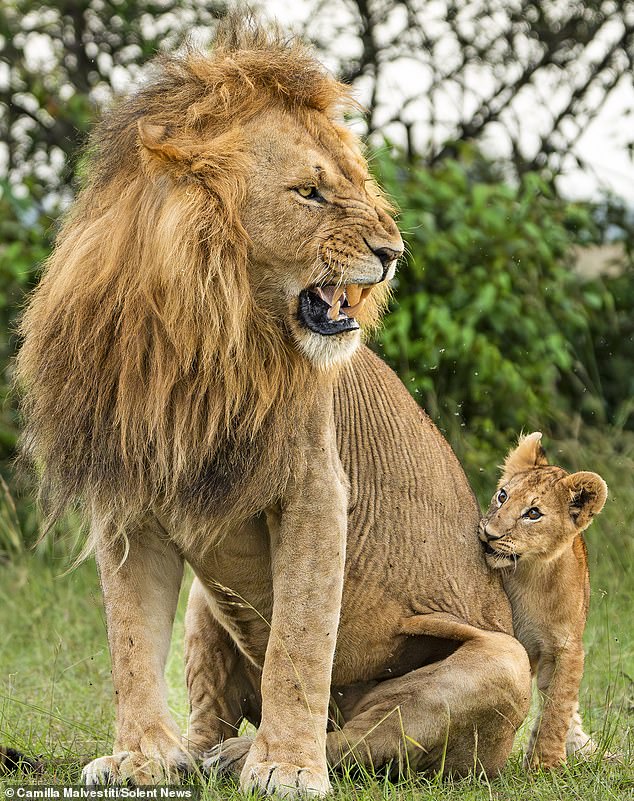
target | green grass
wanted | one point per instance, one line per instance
(55, 690)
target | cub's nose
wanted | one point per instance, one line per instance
(491, 537)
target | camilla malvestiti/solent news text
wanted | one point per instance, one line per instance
(95, 793)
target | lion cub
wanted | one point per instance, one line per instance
(532, 532)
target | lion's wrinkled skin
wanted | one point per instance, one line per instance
(176, 385)
(544, 567)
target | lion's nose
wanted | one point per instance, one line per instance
(387, 256)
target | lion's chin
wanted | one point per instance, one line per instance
(325, 328)
(326, 352)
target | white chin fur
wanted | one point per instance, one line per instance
(327, 352)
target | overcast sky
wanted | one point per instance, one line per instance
(602, 144)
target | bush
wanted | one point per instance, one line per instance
(488, 313)
(24, 244)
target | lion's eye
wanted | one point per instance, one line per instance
(502, 496)
(308, 192)
(533, 513)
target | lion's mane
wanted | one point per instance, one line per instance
(150, 376)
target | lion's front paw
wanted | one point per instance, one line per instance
(228, 757)
(135, 768)
(284, 779)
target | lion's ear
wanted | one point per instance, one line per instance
(219, 162)
(154, 139)
(527, 454)
(588, 493)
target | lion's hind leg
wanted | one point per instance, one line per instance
(454, 716)
(223, 686)
(227, 759)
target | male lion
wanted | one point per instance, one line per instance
(204, 298)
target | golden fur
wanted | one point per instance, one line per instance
(175, 387)
(545, 571)
(152, 358)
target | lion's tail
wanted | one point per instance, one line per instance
(12, 760)
(443, 625)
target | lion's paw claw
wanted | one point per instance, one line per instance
(227, 758)
(132, 767)
(284, 780)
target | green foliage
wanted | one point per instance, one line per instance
(611, 348)
(489, 319)
(608, 350)
(24, 244)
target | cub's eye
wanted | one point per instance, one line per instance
(501, 497)
(308, 192)
(533, 513)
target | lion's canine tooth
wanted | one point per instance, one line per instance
(353, 293)
(334, 311)
(359, 294)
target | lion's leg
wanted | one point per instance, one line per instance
(307, 540)
(140, 592)
(223, 686)
(455, 716)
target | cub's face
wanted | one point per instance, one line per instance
(323, 248)
(538, 509)
(529, 518)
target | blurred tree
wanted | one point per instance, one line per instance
(489, 324)
(446, 71)
(59, 62)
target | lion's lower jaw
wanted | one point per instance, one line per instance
(327, 352)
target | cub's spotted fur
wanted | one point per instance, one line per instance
(532, 532)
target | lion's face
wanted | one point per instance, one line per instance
(322, 248)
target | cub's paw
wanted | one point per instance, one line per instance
(135, 768)
(284, 780)
(538, 760)
(227, 758)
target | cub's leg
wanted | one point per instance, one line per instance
(577, 741)
(223, 686)
(558, 679)
(456, 716)
(140, 592)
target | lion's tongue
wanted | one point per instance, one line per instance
(355, 294)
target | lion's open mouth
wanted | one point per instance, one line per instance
(332, 309)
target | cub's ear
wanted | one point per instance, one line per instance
(588, 493)
(528, 453)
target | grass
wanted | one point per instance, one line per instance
(56, 697)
